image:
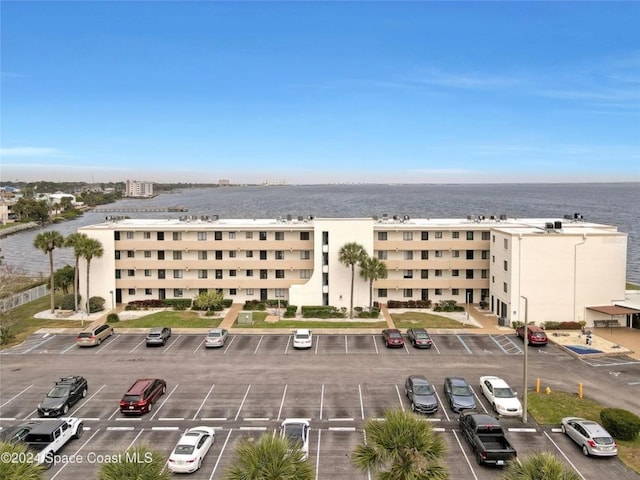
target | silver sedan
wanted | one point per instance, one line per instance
(216, 338)
(590, 435)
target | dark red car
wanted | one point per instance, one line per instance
(392, 337)
(537, 336)
(142, 395)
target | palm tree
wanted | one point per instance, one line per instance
(401, 447)
(23, 470)
(75, 241)
(540, 466)
(371, 269)
(350, 255)
(89, 249)
(269, 458)
(138, 463)
(48, 242)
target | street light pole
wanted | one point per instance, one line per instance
(113, 304)
(467, 299)
(526, 358)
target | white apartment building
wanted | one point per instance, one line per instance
(559, 270)
(135, 188)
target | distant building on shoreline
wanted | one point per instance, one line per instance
(559, 270)
(138, 189)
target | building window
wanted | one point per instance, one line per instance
(116, 235)
(177, 236)
(160, 236)
(129, 235)
(485, 254)
(455, 253)
(504, 287)
(218, 274)
(177, 255)
(217, 235)
(279, 273)
(325, 238)
(232, 273)
(469, 235)
(305, 255)
(382, 254)
(117, 274)
(493, 279)
(407, 293)
(202, 236)
(232, 235)
(233, 292)
(382, 293)
(469, 254)
(132, 291)
(218, 254)
(505, 265)
(382, 236)
(424, 274)
(493, 259)
(485, 235)
(280, 292)
(249, 273)
(455, 235)
(438, 291)
(455, 273)
(161, 274)
(232, 254)
(147, 272)
(263, 254)
(408, 274)
(250, 292)
(202, 274)
(424, 254)
(249, 254)
(160, 254)
(493, 239)
(305, 273)
(279, 254)
(148, 291)
(131, 254)
(263, 274)
(506, 244)
(147, 254)
(117, 254)
(178, 274)
(408, 255)
(304, 235)
(455, 292)
(484, 273)
(146, 235)
(469, 274)
(438, 235)
(177, 292)
(263, 235)
(202, 254)
(438, 253)
(131, 273)
(279, 235)
(424, 235)
(248, 235)
(407, 235)
(438, 273)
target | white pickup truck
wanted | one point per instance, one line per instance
(46, 437)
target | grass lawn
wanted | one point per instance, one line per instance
(171, 318)
(550, 409)
(425, 320)
(259, 322)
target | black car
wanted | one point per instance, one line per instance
(421, 394)
(65, 393)
(459, 394)
(158, 336)
(17, 433)
(419, 338)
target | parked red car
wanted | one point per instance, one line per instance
(537, 336)
(142, 395)
(392, 337)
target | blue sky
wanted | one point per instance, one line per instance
(320, 92)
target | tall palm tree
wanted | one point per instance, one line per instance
(48, 242)
(75, 241)
(90, 248)
(350, 255)
(371, 269)
(269, 458)
(137, 463)
(402, 447)
(19, 470)
(540, 466)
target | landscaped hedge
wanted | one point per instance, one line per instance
(291, 311)
(178, 303)
(68, 302)
(408, 304)
(374, 313)
(145, 304)
(96, 304)
(562, 325)
(321, 311)
(113, 318)
(448, 306)
(254, 305)
(620, 423)
(274, 303)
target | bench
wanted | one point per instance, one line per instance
(606, 323)
(64, 313)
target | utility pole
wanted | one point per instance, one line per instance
(526, 358)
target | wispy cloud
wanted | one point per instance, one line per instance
(31, 152)
(463, 80)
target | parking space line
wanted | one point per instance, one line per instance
(141, 342)
(38, 344)
(465, 455)
(119, 429)
(171, 345)
(165, 429)
(442, 405)
(16, 396)
(30, 414)
(286, 349)
(134, 440)
(321, 400)
(214, 419)
(113, 414)
(67, 349)
(254, 429)
(284, 394)
(400, 398)
(199, 345)
(434, 345)
(565, 457)
(102, 346)
(258, 346)
(318, 454)
(498, 344)
(346, 348)
(242, 403)
(75, 455)
(479, 402)
(90, 397)
(203, 402)
(224, 445)
(230, 343)
(375, 345)
(464, 344)
(165, 401)
(317, 343)
(128, 419)
(361, 401)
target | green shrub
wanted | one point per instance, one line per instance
(6, 335)
(113, 318)
(551, 325)
(96, 304)
(254, 305)
(68, 302)
(277, 302)
(227, 302)
(622, 424)
(517, 324)
(448, 306)
(178, 303)
(321, 311)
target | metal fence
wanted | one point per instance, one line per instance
(21, 298)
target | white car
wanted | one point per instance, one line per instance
(503, 400)
(302, 338)
(191, 449)
(296, 432)
(216, 338)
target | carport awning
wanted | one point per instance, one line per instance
(614, 310)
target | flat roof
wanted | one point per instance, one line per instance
(613, 310)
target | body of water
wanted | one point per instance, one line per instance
(615, 204)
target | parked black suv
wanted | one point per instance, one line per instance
(65, 393)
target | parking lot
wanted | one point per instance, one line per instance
(255, 381)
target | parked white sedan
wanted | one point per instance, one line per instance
(296, 432)
(503, 400)
(191, 449)
(302, 338)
